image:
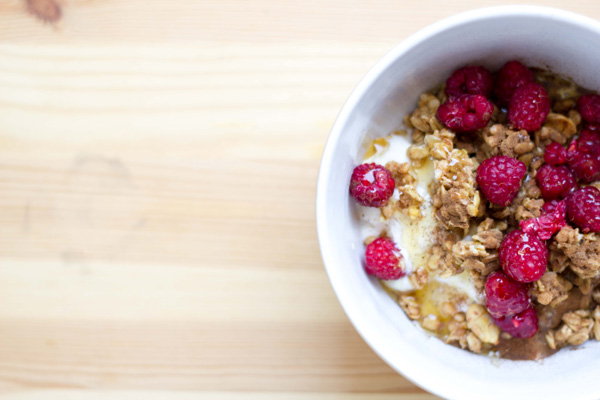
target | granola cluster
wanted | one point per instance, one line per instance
(580, 252)
(473, 329)
(577, 327)
(409, 199)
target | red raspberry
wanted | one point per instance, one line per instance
(555, 154)
(589, 108)
(555, 182)
(549, 223)
(505, 296)
(522, 325)
(523, 256)
(371, 185)
(592, 127)
(466, 113)
(512, 75)
(583, 209)
(529, 107)
(384, 260)
(499, 179)
(584, 156)
(470, 80)
(549, 206)
(589, 140)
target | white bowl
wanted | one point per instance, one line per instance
(544, 37)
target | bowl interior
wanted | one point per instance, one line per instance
(540, 37)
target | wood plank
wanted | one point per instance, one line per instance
(78, 290)
(190, 354)
(181, 395)
(190, 21)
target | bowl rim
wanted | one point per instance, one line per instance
(368, 333)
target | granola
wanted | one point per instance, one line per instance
(450, 233)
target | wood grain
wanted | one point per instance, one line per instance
(157, 182)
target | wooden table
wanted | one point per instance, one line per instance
(157, 183)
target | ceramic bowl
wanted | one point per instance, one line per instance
(563, 42)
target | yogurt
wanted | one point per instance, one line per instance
(414, 237)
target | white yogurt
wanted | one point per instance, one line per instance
(414, 237)
(396, 151)
(464, 284)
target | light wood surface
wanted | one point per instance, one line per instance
(158, 164)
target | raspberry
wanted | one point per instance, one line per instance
(549, 206)
(555, 154)
(505, 296)
(592, 127)
(529, 107)
(512, 75)
(589, 108)
(583, 156)
(499, 179)
(383, 259)
(583, 209)
(470, 80)
(371, 185)
(555, 182)
(589, 141)
(522, 325)
(466, 113)
(523, 256)
(549, 223)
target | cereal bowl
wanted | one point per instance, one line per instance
(553, 39)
